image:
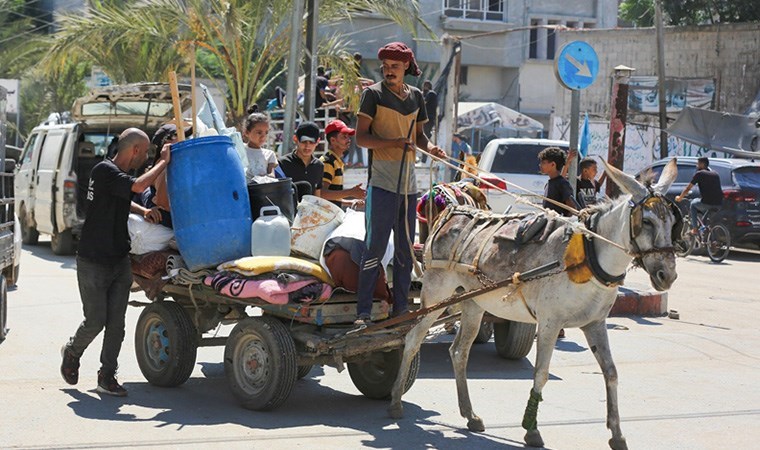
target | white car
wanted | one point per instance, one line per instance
(516, 161)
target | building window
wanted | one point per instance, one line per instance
(463, 75)
(492, 10)
(533, 49)
(551, 40)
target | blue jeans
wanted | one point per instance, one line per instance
(384, 211)
(105, 292)
(698, 208)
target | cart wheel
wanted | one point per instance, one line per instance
(485, 333)
(303, 371)
(374, 377)
(166, 344)
(3, 308)
(513, 339)
(260, 363)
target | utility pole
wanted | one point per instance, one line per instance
(312, 23)
(448, 124)
(661, 79)
(618, 116)
(294, 58)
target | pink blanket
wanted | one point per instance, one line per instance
(271, 291)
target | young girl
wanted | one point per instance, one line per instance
(261, 161)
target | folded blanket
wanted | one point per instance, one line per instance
(273, 290)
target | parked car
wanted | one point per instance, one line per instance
(516, 161)
(740, 181)
(54, 169)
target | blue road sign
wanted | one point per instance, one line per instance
(576, 66)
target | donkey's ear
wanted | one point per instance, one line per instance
(669, 174)
(627, 183)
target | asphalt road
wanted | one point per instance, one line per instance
(684, 384)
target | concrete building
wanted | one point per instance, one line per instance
(506, 67)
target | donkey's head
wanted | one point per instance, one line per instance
(652, 224)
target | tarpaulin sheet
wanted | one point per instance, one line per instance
(731, 133)
(482, 114)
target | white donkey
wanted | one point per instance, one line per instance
(579, 293)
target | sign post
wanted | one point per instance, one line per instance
(576, 68)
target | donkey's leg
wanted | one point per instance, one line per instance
(547, 337)
(596, 335)
(412, 345)
(469, 325)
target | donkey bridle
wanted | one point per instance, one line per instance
(635, 227)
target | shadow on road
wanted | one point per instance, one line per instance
(208, 402)
(42, 250)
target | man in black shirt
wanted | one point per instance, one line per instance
(103, 268)
(709, 188)
(431, 107)
(301, 166)
(551, 162)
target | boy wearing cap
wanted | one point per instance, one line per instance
(301, 166)
(391, 118)
(337, 134)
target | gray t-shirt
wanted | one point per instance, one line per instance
(392, 116)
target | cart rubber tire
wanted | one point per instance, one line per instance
(260, 363)
(62, 243)
(3, 308)
(374, 377)
(513, 339)
(485, 333)
(303, 371)
(166, 344)
(29, 234)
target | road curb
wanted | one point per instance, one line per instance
(633, 302)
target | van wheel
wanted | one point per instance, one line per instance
(29, 234)
(62, 243)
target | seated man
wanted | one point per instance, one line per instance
(301, 165)
(338, 138)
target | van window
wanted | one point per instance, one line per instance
(29, 149)
(748, 177)
(686, 173)
(100, 141)
(518, 158)
(51, 151)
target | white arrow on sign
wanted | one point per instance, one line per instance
(583, 70)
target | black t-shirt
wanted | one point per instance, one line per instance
(709, 187)
(431, 105)
(292, 166)
(585, 191)
(558, 189)
(322, 84)
(104, 235)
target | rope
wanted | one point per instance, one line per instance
(534, 205)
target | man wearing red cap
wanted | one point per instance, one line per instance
(338, 138)
(390, 123)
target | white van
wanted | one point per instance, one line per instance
(54, 169)
(516, 161)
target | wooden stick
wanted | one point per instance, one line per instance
(177, 107)
(192, 90)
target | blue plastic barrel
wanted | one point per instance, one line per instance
(209, 201)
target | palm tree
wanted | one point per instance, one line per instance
(243, 42)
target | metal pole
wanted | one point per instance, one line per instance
(312, 24)
(291, 99)
(618, 115)
(661, 79)
(447, 124)
(575, 112)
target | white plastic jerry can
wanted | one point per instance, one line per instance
(270, 233)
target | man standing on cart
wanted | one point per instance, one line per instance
(103, 268)
(390, 123)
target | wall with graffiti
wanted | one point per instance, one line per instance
(642, 143)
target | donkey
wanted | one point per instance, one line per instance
(580, 293)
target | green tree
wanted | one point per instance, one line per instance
(243, 42)
(690, 12)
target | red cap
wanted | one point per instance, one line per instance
(339, 126)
